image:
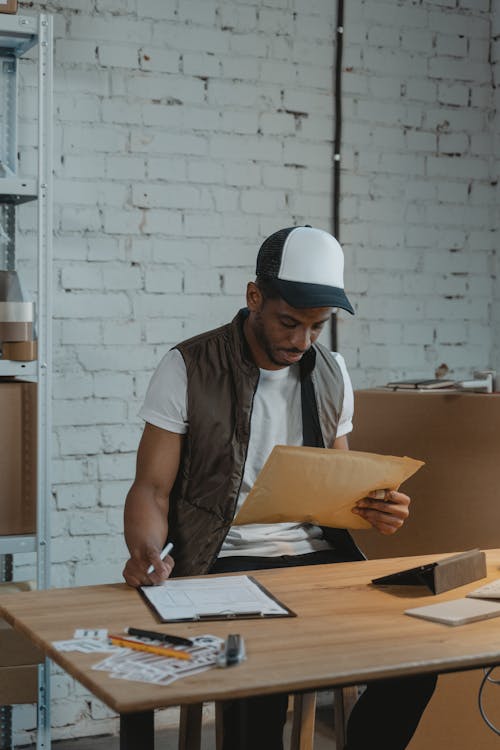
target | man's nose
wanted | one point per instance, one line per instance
(301, 339)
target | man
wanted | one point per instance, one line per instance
(215, 408)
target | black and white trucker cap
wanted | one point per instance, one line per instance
(306, 267)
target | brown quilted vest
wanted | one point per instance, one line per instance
(222, 380)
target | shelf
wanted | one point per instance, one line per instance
(18, 34)
(14, 190)
(10, 369)
(11, 545)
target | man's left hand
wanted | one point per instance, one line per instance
(387, 515)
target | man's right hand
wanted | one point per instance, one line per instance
(146, 507)
(136, 573)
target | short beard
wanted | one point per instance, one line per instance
(264, 343)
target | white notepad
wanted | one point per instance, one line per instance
(457, 611)
(490, 590)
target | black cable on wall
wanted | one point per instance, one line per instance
(337, 74)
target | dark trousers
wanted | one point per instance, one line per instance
(385, 716)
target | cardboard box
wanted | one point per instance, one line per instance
(8, 6)
(18, 685)
(19, 658)
(16, 650)
(18, 446)
(452, 719)
(454, 504)
(454, 508)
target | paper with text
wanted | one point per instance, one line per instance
(206, 597)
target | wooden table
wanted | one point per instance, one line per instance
(347, 632)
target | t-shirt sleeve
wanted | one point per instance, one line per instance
(165, 404)
(346, 415)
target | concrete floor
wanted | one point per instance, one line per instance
(167, 739)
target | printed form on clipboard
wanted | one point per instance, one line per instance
(213, 598)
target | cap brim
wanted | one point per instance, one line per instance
(298, 294)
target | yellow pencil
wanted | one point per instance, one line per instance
(118, 640)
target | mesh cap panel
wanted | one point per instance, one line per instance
(269, 257)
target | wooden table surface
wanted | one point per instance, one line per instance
(347, 631)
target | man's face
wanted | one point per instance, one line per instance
(279, 335)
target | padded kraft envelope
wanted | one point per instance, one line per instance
(320, 485)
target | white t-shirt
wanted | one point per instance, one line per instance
(276, 420)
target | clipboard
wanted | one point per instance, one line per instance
(441, 575)
(213, 598)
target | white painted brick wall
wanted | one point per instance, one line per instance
(493, 236)
(185, 132)
(423, 143)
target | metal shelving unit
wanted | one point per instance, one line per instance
(18, 34)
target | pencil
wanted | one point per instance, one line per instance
(117, 640)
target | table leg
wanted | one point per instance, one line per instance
(343, 703)
(190, 726)
(304, 709)
(137, 730)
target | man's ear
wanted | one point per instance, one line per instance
(255, 300)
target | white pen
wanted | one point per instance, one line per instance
(168, 548)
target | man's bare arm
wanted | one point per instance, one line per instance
(341, 443)
(146, 507)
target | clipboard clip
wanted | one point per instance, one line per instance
(228, 615)
(233, 652)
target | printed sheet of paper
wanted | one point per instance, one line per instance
(217, 597)
(128, 664)
(320, 486)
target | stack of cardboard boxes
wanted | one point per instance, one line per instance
(17, 457)
(18, 658)
(17, 338)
